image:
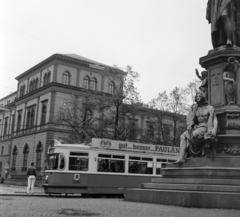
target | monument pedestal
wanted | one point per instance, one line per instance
(212, 182)
(228, 115)
(200, 182)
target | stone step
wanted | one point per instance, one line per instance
(206, 181)
(231, 161)
(191, 187)
(199, 199)
(201, 172)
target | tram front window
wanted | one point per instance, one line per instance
(61, 162)
(53, 161)
(78, 161)
(56, 161)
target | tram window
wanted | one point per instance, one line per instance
(140, 167)
(53, 161)
(62, 162)
(161, 160)
(104, 155)
(147, 159)
(112, 166)
(78, 163)
(171, 161)
(119, 157)
(78, 154)
(134, 158)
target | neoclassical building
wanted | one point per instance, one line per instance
(27, 115)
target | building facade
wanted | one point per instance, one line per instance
(27, 116)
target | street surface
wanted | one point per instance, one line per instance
(15, 203)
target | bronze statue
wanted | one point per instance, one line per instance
(229, 78)
(224, 16)
(202, 127)
(204, 85)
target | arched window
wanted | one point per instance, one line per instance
(93, 84)
(14, 157)
(86, 82)
(36, 84)
(19, 121)
(111, 88)
(5, 127)
(22, 90)
(13, 124)
(30, 118)
(66, 78)
(25, 155)
(43, 114)
(33, 85)
(45, 79)
(49, 77)
(39, 151)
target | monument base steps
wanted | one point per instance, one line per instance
(214, 185)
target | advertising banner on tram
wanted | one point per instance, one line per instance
(133, 146)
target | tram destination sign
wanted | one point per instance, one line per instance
(132, 146)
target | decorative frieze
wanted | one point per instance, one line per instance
(228, 149)
(232, 121)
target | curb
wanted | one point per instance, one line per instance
(24, 195)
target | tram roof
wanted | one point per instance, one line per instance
(112, 145)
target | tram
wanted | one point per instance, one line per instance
(106, 167)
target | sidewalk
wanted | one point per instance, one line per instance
(14, 190)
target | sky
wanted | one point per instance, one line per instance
(161, 39)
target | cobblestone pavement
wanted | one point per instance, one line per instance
(49, 206)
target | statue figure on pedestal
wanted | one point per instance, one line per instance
(224, 16)
(201, 131)
(204, 85)
(229, 78)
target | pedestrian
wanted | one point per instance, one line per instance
(32, 174)
(1, 179)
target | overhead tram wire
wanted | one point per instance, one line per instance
(67, 51)
(32, 36)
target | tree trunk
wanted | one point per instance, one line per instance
(116, 124)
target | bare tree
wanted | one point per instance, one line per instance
(191, 90)
(77, 115)
(159, 105)
(124, 93)
(177, 105)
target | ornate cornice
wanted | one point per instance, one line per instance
(69, 59)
